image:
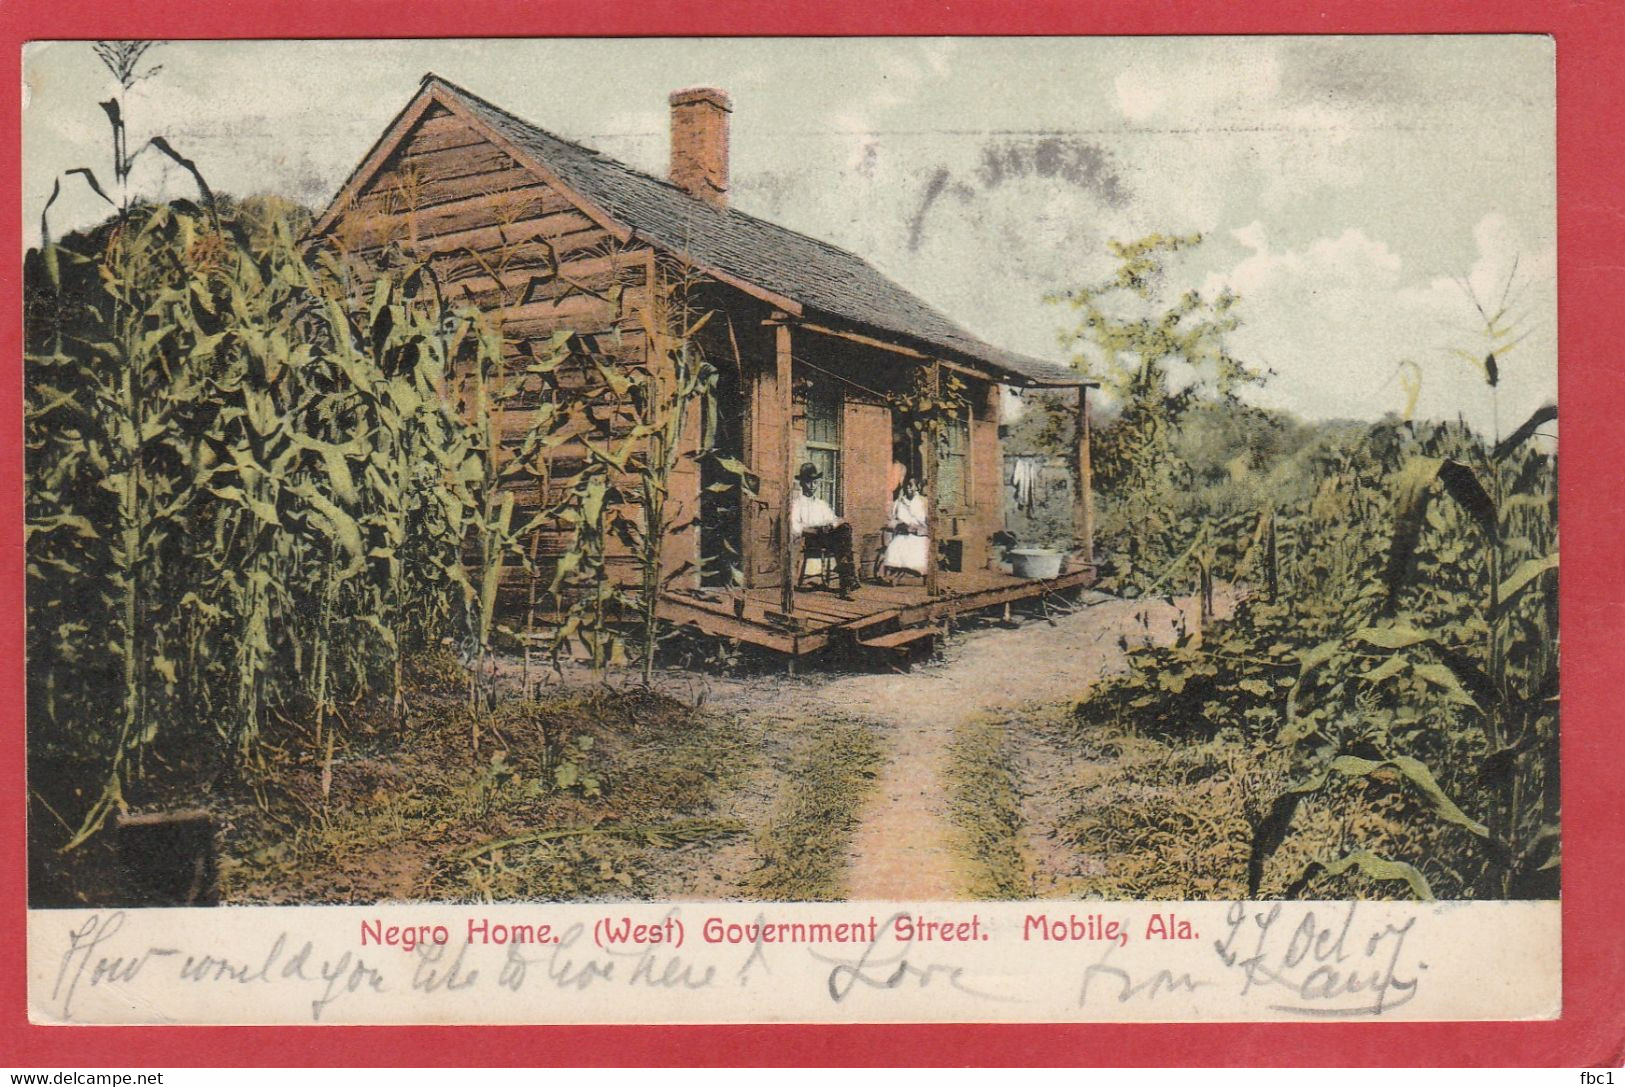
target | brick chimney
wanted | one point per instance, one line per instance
(699, 143)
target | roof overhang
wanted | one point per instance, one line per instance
(920, 352)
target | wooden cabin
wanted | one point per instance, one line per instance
(813, 346)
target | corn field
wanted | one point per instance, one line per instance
(1392, 665)
(255, 487)
(223, 530)
(262, 473)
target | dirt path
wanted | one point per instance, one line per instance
(903, 847)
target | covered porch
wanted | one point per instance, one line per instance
(849, 400)
(880, 623)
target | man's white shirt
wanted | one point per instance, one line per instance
(809, 512)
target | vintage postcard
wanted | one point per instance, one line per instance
(792, 530)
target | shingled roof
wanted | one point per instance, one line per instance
(820, 277)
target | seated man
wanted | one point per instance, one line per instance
(910, 548)
(812, 518)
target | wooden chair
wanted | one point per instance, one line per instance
(815, 548)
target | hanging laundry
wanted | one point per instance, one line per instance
(1024, 478)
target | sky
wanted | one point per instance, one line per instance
(1358, 194)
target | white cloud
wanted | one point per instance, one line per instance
(905, 71)
(1335, 318)
(1234, 85)
(1514, 284)
(1139, 94)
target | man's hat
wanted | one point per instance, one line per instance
(809, 470)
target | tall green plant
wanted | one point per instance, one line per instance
(513, 432)
(1158, 355)
(1489, 669)
(1466, 615)
(239, 465)
(671, 397)
(115, 410)
(643, 406)
(397, 456)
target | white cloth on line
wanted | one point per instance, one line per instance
(1024, 478)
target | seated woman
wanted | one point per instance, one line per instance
(910, 547)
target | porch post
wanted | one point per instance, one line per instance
(1083, 497)
(786, 408)
(928, 465)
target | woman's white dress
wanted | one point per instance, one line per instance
(908, 550)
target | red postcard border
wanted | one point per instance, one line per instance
(1591, 256)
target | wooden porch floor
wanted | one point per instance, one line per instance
(821, 620)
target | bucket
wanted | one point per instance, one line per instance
(1035, 562)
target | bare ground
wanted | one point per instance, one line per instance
(904, 847)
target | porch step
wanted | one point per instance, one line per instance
(869, 622)
(900, 647)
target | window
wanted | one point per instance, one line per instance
(824, 408)
(953, 463)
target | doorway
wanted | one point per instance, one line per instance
(722, 499)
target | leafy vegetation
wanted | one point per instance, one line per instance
(1394, 645)
(984, 803)
(584, 794)
(803, 847)
(1394, 665)
(1159, 356)
(264, 473)
(670, 397)
(205, 491)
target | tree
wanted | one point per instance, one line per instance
(1158, 357)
